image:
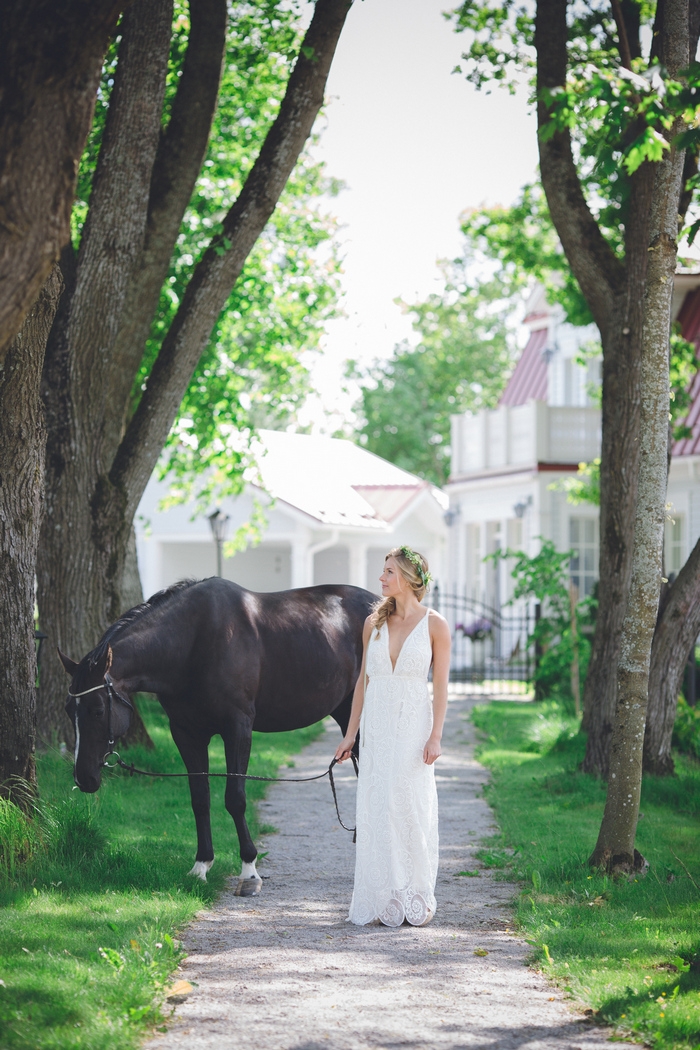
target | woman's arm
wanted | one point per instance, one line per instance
(441, 643)
(358, 700)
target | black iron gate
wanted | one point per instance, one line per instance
(491, 651)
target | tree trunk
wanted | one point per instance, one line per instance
(74, 608)
(22, 442)
(614, 849)
(91, 498)
(613, 291)
(619, 467)
(132, 594)
(676, 632)
(50, 60)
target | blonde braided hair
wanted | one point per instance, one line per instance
(414, 570)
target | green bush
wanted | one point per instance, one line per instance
(686, 729)
(545, 577)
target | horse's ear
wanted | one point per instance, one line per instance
(108, 661)
(70, 665)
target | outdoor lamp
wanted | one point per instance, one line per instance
(521, 506)
(452, 514)
(218, 522)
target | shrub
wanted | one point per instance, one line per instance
(686, 729)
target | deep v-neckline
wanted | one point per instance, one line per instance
(388, 641)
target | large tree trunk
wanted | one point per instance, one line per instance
(613, 291)
(22, 442)
(676, 632)
(619, 467)
(50, 61)
(97, 490)
(76, 386)
(614, 849)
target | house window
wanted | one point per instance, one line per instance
(583, 567)
(674, 545)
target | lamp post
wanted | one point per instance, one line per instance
(39, 638)
(218, 522)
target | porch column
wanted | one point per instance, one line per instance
(358, 564)
(300, 575)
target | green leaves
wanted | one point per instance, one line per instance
(461, 362)
(617, 118)
(251, 374)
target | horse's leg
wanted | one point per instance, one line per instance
(195, 755)
(342, 717)
(237, 746)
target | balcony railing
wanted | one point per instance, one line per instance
(524, 435)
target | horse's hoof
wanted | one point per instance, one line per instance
(200, 869)
(248, 887)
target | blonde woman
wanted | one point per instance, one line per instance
(400, 732)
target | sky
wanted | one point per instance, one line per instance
(416, 145)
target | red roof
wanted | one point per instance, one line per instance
(529, 380)
(689, 320)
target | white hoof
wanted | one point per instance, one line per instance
(200, 869)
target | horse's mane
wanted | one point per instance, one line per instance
(156, 601)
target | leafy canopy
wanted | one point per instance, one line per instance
(617, 117)
(251, 373)
(461, 362)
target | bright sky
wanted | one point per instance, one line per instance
(416, 145)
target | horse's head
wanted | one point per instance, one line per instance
(99, 712)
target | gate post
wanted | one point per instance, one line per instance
(538, 652)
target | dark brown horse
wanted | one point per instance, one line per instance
(221, 660)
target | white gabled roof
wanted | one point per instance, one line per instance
(334, 481)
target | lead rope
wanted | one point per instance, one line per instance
(131, 770)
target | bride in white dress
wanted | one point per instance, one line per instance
(400, 732)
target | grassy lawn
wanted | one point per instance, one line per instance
(89, 920)
(629, 950)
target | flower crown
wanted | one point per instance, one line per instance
(415, 560)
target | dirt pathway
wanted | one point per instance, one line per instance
(285, 971)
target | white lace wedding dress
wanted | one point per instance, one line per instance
(397, 817)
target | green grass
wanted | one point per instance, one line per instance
(630, 950)
(95, 889)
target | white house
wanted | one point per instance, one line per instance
(333, 510)
(506, 460)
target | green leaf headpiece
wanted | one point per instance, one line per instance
(417, 564)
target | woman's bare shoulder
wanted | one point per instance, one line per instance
(438, 625)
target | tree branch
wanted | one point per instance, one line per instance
(596, 268)
(218, 270)
(115, 227)
(676, 631)
(177, 165)
(50, 60)
(625, 53)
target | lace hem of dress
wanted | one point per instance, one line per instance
(402, 906)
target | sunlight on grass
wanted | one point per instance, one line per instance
(98, 888)
(630, 950)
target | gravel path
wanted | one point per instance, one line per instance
(285, 971)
